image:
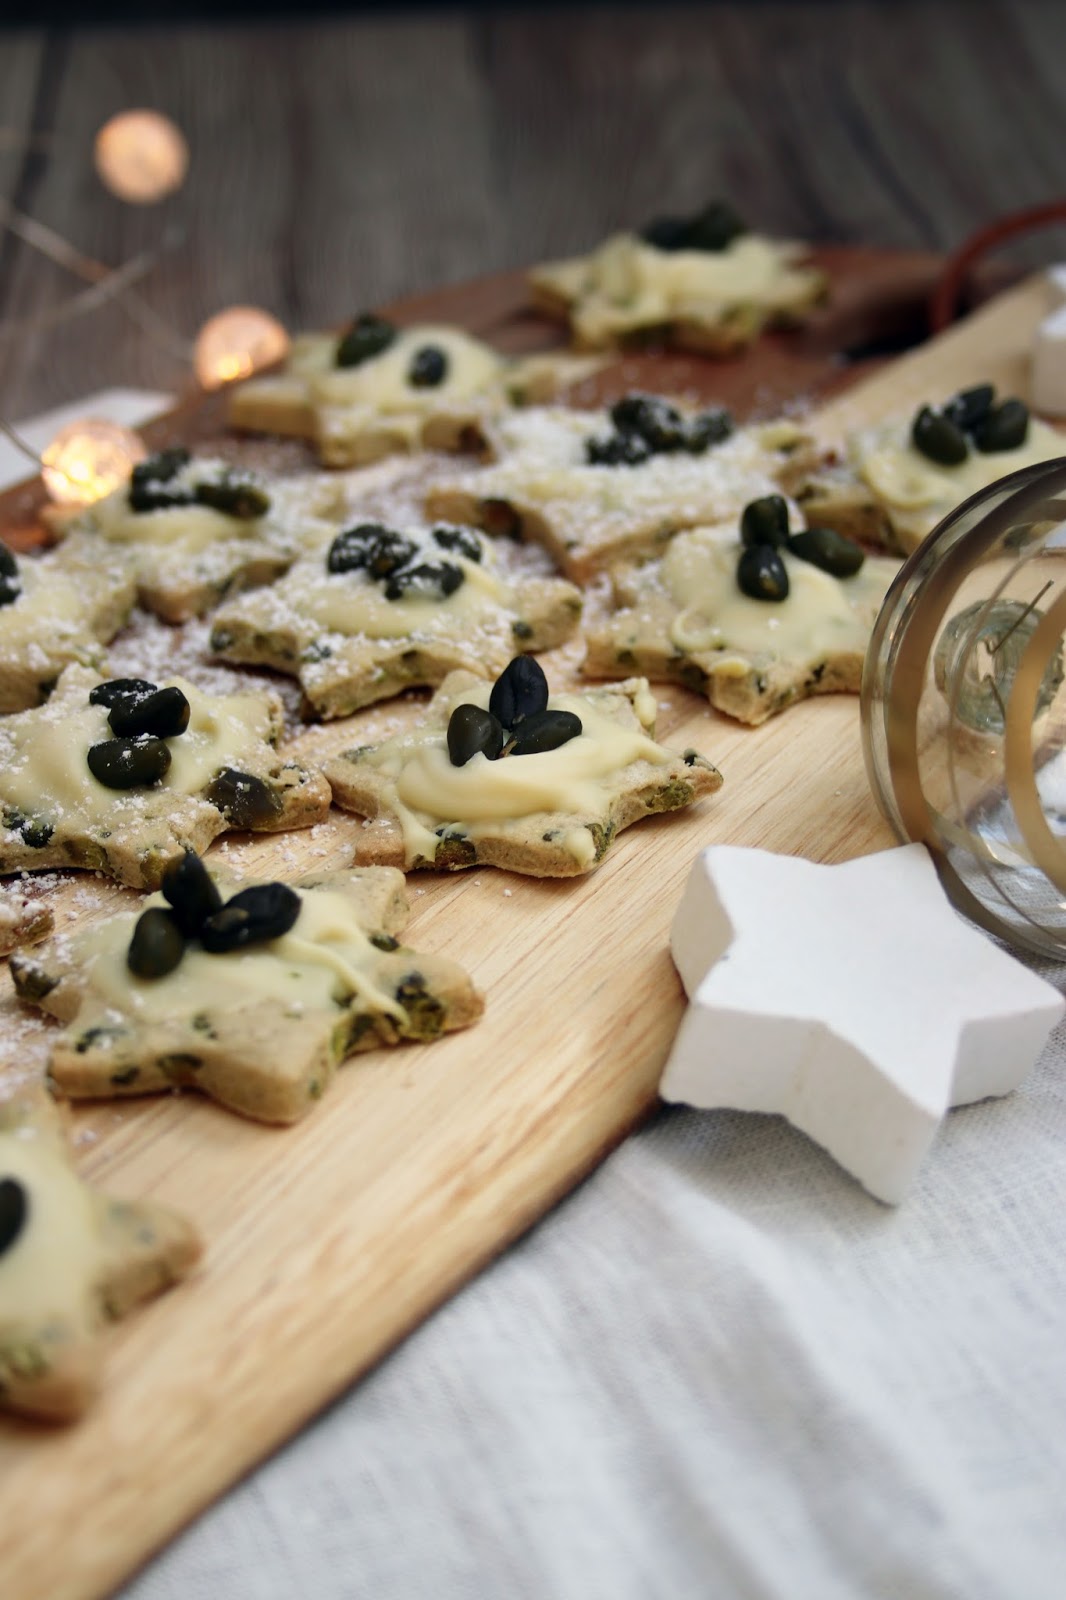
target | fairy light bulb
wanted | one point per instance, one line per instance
(89, 459)
(141, 156)
(235, 343)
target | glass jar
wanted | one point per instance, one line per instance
(964, 706)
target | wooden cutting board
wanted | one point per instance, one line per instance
(329, 1241)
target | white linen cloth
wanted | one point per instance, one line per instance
(720, 1370)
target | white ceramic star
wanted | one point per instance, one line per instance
(850, 999)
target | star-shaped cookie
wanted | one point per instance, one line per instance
(850, 999)
(683, 617)
(56, 609)
(196, 530)
(77, 792)
(71, 1260)
(690, 287)
(551, 812)
(590, 513)
(384, 609)
(378, 390)
(884, 487)
(258, 1026)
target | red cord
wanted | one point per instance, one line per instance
(944, 302)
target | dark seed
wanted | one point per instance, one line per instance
(128, 763)
(36, 832)
(353, 548)
(667, 233)
(243, 799)
(764, 522)
(545, 730)
(245, 501)
(117, 689)
(520, 691)
(657, 422)
(9, 567)
(465, 540)
(1006, 427)
(716, 226)
(938, 439)
(157, 497)
(14, 1209)
(967, 408)
(368, 336)
(265, 911)
(157, 945)
(162, 466)
(761, 573)
(470, 731)
(429, 367)
(10, 589)
(391, 552)
(191, 891)
(425, 581)
(617, 450)
(164, 713)
(831, 551)
(706, 429)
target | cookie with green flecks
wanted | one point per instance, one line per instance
(382, 609)
(121, 776)
(509, 775)
(22, 920)
(703, 283)
(196, 530)
(377, 390)
(596, 487)
(251, 993)
(71, 1260)
(56, 609)
(755, 616)
(896, 480)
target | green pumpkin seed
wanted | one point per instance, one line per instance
(129, 763)
(10, 589)
(707, 428)
(428, 369)
(765, 522)
(617, 450)
(116, 689)
(465, 540)
(472, 731)
(761, 573)
(9, 567)
(520, 691)
(937, 438)
(14, 1210)
(368, 336)
(243, 799)
(165, 712)
(543, 731)
(970, 406)
(829, 550)
(255, 915)
(191, 893)
(242, 500)
(1006, 427)
(157, 945)
(653, 419)
(426, 581)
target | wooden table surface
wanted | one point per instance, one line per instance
(343, 161)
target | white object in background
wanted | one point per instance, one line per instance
(1056, 277)
(1049, 365)
(130, 407)
(850, 999)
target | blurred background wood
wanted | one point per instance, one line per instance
(345, 160)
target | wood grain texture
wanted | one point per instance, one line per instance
(338, 163)
(328, 1241)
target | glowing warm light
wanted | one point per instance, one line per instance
(87, 460)
(237, 342)
(141, 156)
